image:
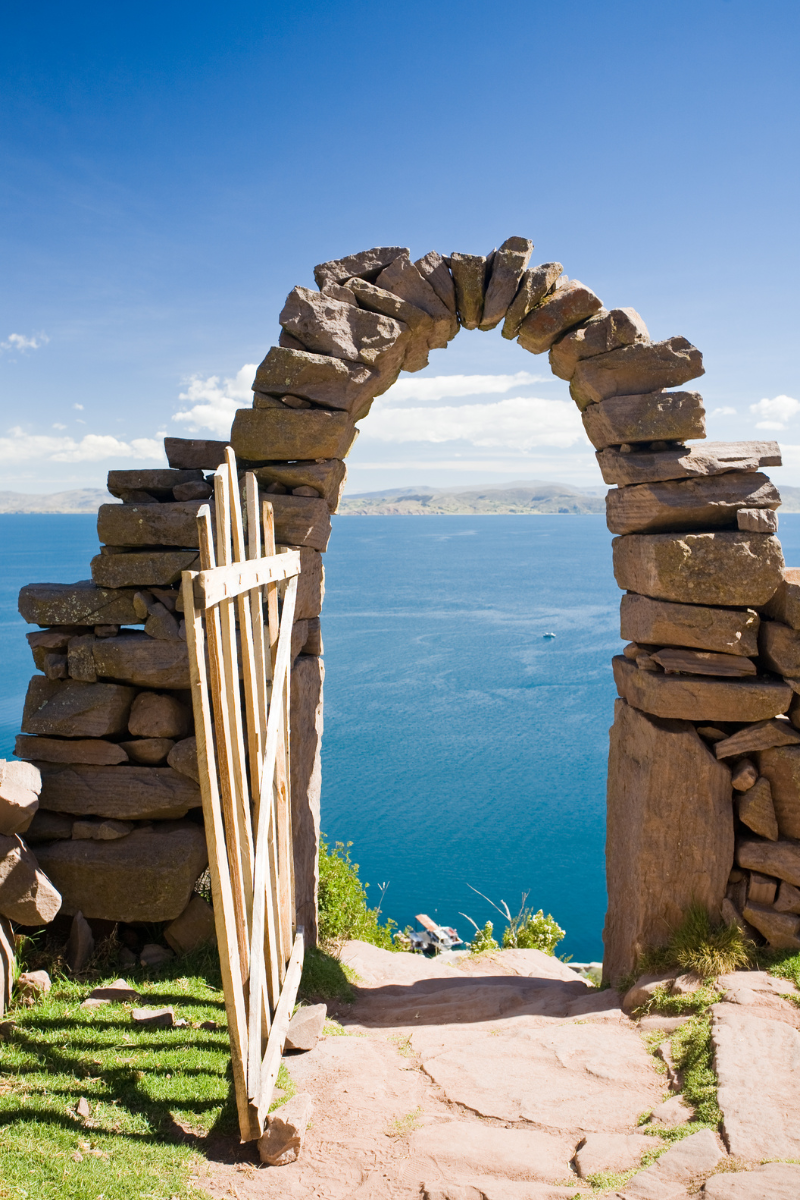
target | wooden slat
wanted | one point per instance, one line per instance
(221, 887)
(283, 1015)
(213, 586)
(272, 588)
(250, 671)
(282, 666)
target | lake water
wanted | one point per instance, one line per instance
(461, 746)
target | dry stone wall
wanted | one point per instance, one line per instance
(704, 767)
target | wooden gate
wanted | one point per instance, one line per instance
(240, 663)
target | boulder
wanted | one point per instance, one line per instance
(154, 715)
(283, 1138)
(145, 569)
(761, 736)
(305, 1027)
(32, 984)
(772, 1181)
(788, 898)
(124, 793)
(784, 606)
(404, 279)
(308, 674)
(534, 285)
(670, 833)
(149, 752)
(367, 264)
(326, 478)
(192, 453)
(72, 709)
(301, 521)
(147, 876)
(92, 751)
(264, 434)
(310, 585)
(757, 520)
(757, 1063)
(603, 332)
(557, 312)
(331, 382)
(728, 567)
(470, 272)
(780, 765)
(683, 504)
(780, 929)
(756, 810)
(508, 267)
(158, 481)
(183, 758)
(327, 326)
(696, 1155)
(156, 1018)
(149, 524)
(80, 946)
(662, 623)
(703, 662)
(715, 458)
(781, 859)
(193, 928)
(656, 416)
(76, 604)
(421, 326)
(611, 1152)
(434, 269)
(696, 698)
(138, 659)
(26, 894)
(779, 647)
(20, 785)
(635, 369)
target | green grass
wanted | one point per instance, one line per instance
(141, 1084)
(325, 978)
(698, 945)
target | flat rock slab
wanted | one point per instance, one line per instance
(124, 793)
(612, 1152)
(593, 1077)
(682, 504)
(698, 697)
(260, 435)
(655, 416)
(772, 1181)
(665, 623)
(697, 1155)
(473, 1147)
(76, 710)
(712, 458)
(76, 604)
(758, 1065)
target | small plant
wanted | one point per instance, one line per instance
(701, 946)
(527, 930)
(402, 1126)
(482, 939)
(343, 909)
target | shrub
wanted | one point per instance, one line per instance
(533, 931)
(483, 939)
(701, 946)
(343, 909)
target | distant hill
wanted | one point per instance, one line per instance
(84, 500)
(531, 496)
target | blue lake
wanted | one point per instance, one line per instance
(461, 746)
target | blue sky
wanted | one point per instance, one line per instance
(170, 172)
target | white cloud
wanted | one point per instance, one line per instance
(57, 425)
(440, 386)
(518, 422)
(21, 343)
(775, 412)
(723, 412)
(214, 401)
(79, 407)
(93, 447)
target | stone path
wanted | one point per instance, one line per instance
(508, 1077)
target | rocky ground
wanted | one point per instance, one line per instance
(507, 1077)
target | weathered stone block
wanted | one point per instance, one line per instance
(785, 604)
(157, 716)
(757, 520)
(761, 736)
(71, 750)
(331, 382)
(26, 894)
(158, 482)
(327, 478)
(634, 370)
(305, 1027)
(145, 569)
(104, 830)
(49, 827)
(727, 568)
(603, 332)
(661, 623)
(536, 282)
(183, 758)
(301, 521)
(283, 1138)
(138, 659)
(367, 264)
(670, 833)
(508, 267)
(779, 647)
(781, 859)
(191, 453)
(757, 811)
(147, 876)
(780, 765)
(469, 273)
(308, 674)
(193, 928)
(20, 784)
(780, 929)
(685, 504)
(148, 752)
(405, 279)
(698, 698)
(421, 326)
(72, 709)
(310, 585)
(76, 604)
(433, 268)
(149, 524)
(715, 458)
(261, 435)
(679, 660)
(557, 312)
(129, 793)
(658, 416)
(326, 326)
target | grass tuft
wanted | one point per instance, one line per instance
(326, 978)
(699, 945)
(403, 1126)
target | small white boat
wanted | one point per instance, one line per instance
(548, 635)
(433, 937)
